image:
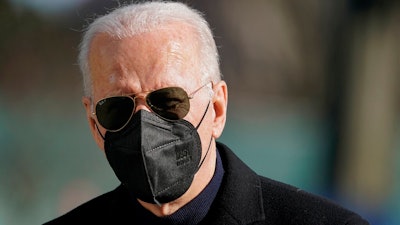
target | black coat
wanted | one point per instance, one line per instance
(244, 198)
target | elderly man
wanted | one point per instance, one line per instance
(156, 104)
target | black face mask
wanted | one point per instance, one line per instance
(156, 159)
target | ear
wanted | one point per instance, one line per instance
(220, 103)
(87, 103)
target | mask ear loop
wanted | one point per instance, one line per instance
(204, 115)
(98, 130)
(209, 145)
(204, 158)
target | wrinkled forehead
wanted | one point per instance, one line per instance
(154, 58)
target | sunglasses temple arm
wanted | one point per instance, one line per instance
(198, 89)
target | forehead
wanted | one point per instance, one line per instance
(163, 57)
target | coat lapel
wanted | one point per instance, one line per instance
(239, 200)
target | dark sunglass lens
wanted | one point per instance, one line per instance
(171, 103)
(113, 113)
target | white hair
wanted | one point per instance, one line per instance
(138, 18)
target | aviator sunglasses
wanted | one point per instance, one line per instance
(171, 103)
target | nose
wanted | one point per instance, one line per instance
(140, 103)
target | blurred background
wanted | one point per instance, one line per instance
(313, 101)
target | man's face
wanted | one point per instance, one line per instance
(148, 62)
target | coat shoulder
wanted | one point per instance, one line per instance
(97, 210)
(292, 205)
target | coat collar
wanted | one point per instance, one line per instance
(239, 200)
